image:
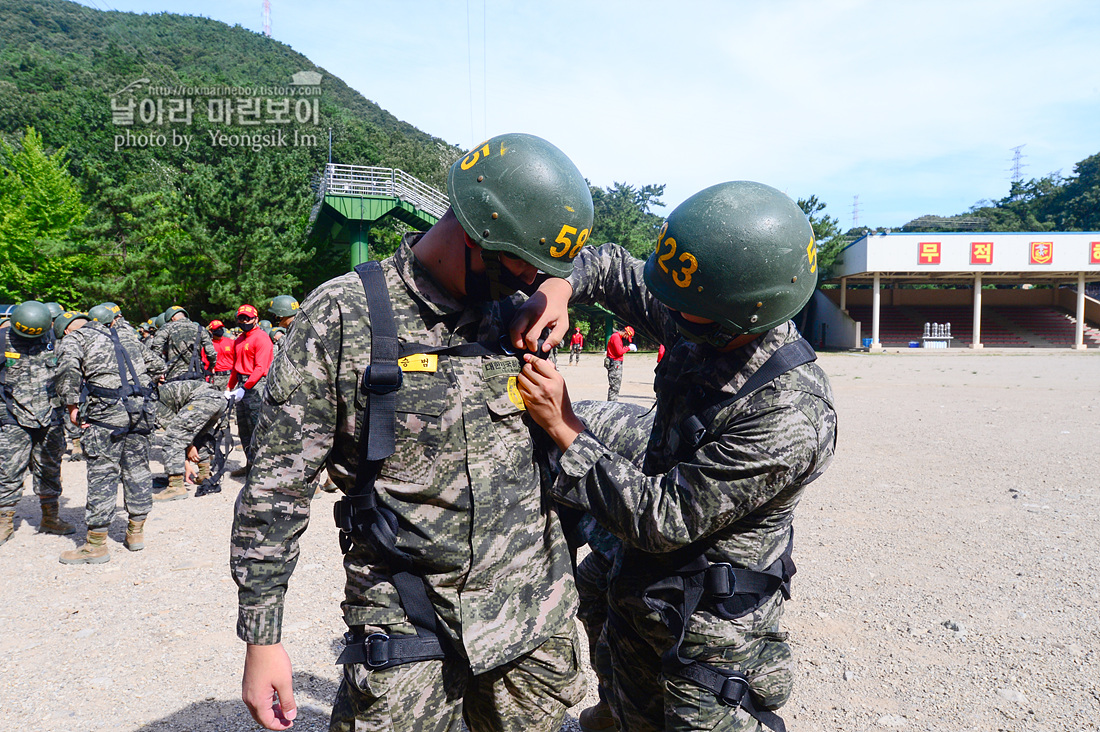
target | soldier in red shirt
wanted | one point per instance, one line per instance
(576, 343)
(224, 346)
(613, 360)
(252, 354)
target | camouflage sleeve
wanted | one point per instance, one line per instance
(762, 451)
(293, 436)
(208, 348)
(610, 276)
(154, 364)
(159, 341)
(69, 354)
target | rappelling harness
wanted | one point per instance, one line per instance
(195, 368)
(727, 591)
(141, 417)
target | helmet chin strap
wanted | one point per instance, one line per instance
(493, 284)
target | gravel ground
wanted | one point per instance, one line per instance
(945, 570)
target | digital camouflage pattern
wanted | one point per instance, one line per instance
(175, 342)
(462, 482)
(112, 453)
(614, 377)
(189, 412)
(734, 497)
(30, 433)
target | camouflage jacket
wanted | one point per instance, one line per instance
(175, 343)
(734, 497)
(89, 355)
(30, 375)
(462, 482)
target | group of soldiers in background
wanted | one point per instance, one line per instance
(109, 387)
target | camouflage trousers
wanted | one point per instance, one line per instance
(574, 353)
(220, 380)
(109, 460)
(193, 422)
(38, 449)
(530, 693)
(248, 413)
(633, 637)
(614, 377)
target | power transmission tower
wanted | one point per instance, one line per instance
(1017, 165)
(855, 211)
(267, 18)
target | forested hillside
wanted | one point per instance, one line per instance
(148, 207)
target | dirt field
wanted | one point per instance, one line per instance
(946, 570)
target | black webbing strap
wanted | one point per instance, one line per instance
(131, 387)
(5, 389)
(223, 445)
(731, 593)
(732, 689)
(195, 369)
(359, 515)
(693, 428)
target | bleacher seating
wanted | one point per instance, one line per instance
(1002, 326)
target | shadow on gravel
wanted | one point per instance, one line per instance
(219, 715)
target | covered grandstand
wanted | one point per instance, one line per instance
(1010, 290)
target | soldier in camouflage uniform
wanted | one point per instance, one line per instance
(704, 517)
(116, 420)
(30, 418)
(462, 484)
(188, 408)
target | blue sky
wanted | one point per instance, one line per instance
(914, 106)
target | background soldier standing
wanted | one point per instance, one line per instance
(576, 345)
(476, 621)
(252, 354)
(613, 360)
(30, 417)
(705, 514)
(117, 419)
(223, 344)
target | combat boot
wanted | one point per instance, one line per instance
(93, 552)
(240, 472)
(175, 491)
(51, 522)
(204, 471)
(135, 536)
(597, 718)
(76, 452)
(7, 524)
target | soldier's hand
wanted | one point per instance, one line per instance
(547, 308)
(267, 687)
(74, 414)
(543, 390)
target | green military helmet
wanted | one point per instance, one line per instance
(158, 322)
(283, 306)
(265, 326)
(55, 309)
(65, 319)
(31, 319)
(112, 307)
(518, 194)
(740, 253)
(102, 314)
(171, 312)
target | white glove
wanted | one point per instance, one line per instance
(632, 348)
(237, 394)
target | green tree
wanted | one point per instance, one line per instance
(624, 215)
(40, 207)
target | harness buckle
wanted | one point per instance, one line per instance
(383, 378)
(721, 585)
(377, 646)
(733, 691)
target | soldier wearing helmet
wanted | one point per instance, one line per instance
(613, 360)
(459, 467)
(31, 436)
(694, 501)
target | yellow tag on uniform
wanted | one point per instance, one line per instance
(513, 393)
(10, 354)
(419, 362)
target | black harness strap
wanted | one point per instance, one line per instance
(223, 444)
(5, 388)
(359, 515)
(195, 369)
(131, 387)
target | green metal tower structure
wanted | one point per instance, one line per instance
(350, 198)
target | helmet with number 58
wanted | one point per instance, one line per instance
(741, 254)
(519, 195)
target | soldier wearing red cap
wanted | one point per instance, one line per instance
(252, 355)
(223, 344)
(576, 345)
(613, 360)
